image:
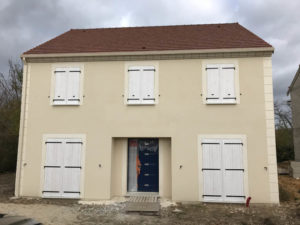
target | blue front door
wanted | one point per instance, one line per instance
(143, 165)
(148, 157)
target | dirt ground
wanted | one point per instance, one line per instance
(67, 212)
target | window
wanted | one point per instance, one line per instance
(223, 170)
(141, 85)
(220, 84)
(62, 168)
(67, 86)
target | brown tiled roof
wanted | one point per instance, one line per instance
(156, 38)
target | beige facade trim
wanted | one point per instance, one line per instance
(21, 161)
(235, 62)
(147, 57)
(83, 150)
(270, 131)
(222, 136)
(21, 132)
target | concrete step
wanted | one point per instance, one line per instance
(143, 204)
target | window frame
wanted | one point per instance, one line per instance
(60, 136)
(68, 66)
(128, 65)
(222, 138)
(220, 63)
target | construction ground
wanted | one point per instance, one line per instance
(67, 212)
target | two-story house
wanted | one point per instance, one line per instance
(294, 92)
(183, 112)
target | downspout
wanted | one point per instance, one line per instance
(21, 130)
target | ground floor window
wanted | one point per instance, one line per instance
(62, 168)
(143, 165)
(223, 170)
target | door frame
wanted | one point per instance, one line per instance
(200, 158)
(127, 165)
(44, 149)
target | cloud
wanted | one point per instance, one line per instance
(25, 24)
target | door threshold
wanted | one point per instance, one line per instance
(129, 194)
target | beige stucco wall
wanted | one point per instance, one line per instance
(180, 115)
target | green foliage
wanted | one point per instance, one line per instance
(284, 144)
(10, 104)
(284, 131)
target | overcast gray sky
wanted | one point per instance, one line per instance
(27, 23)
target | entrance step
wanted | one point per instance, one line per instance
(145, 203)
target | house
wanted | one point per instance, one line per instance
(183, 112)
(294, 92)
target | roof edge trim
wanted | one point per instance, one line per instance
(228, 50)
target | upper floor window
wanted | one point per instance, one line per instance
(220, 84)
(141, 85)
(67, 86)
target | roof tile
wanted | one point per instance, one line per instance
(156, 38)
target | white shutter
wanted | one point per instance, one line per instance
(148, 76)
(72, 168)
(53, 168)
(73, 83)
(228, 83)
(212, 170)
(213, 84)
(233, 170)
(134, 83)
(60, 93)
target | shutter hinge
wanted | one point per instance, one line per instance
(211, 68)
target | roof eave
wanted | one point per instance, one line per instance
(256, 49)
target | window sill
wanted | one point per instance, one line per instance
(140, 103)
(221, 103)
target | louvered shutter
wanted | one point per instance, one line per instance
(228, 83)
(73, 92)
(134, 83)
(53, 168)
(212, 170)
(72, 168)
(213, 84)
(60, 95)
(233, 170)
(148, 76)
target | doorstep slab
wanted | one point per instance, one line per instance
(142, 204)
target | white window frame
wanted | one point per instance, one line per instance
(222, 137)
(128, 65)
(220, 63)
(66, 67)
(44, 149)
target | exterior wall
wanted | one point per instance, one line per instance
(295, 100)
(180, 115)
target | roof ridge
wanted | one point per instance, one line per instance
(178, 25)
